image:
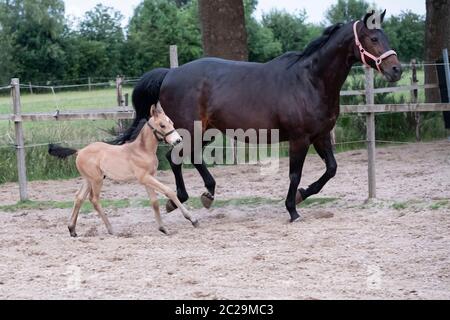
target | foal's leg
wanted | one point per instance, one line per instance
(324, 148)
(297, 154)
(79, 199)
(95, 200)
(151, 182)
(155, 203)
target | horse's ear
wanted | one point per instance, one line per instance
(367, 17)
(159, 107)
(382, 16)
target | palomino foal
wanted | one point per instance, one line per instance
(133, 161)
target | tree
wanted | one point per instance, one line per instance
(35, 29)
(437, 37)
(7, 62)
(262, 45)
(223, 29)
(157, 24)
(406, 33)
(290, 29)
(347, 10)
(101, 42)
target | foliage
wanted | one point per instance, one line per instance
(406, 34)
(347, 10)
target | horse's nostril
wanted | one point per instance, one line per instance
(396, 69)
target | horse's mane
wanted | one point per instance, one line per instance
(137, 130)
(314, 45)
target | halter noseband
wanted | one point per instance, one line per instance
(378, 60)
(160, 136)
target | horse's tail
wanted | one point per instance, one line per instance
(145, 94)
(60, 152)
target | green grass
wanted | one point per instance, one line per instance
(142, 203)
(440, 204)
(400, 205)
(69, 100)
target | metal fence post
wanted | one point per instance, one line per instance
(174, 57)
(370, 100)
(20, 147)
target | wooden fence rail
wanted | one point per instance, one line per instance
(123, 112)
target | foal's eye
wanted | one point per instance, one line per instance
(374, 39)
(162, 126)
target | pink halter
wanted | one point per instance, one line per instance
(378, 60)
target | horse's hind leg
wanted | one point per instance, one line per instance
(324, 148)
(79, 199)
(155, 204)
(207, 198)
(95, 200)
(182, 194)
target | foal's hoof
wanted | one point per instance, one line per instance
(195, 223)
(73, 234)
(170, 206)
(164, 230)
(299, 197)
(207, 200)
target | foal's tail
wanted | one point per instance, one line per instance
(60, 152)
(145, 94)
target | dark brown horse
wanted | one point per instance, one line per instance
(296, 93)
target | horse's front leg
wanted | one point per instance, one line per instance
(297, 154)
(155, 204)
(324, 148)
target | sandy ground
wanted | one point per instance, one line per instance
(365, 250)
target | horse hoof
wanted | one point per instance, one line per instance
(207, 200)
(170, 206)
(299, 197)
(195, 223)
(296, 218)
(164, 230)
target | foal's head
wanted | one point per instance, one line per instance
(374, 47)
(163, 127)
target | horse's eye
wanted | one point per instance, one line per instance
(162, 126)
(374, 39)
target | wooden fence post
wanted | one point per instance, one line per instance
(120, 100)
(89, 84)
(174, 57)
(370, 100)
(20, 148)
(414, 98)
(119, 91)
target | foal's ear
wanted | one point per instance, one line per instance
(153, 112)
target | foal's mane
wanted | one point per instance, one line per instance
(314, 45)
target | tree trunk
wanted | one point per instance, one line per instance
(437, 37)
(223, 29)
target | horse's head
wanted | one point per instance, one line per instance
(372, 46)
(163, 127)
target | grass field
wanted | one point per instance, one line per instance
(79, 133)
